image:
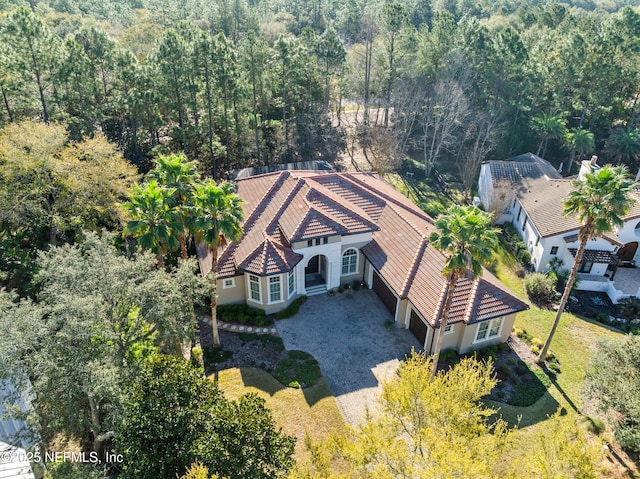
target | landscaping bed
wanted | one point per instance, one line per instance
(521, 382)
(264, 351)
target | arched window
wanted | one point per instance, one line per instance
(637, 228)
(349, 262)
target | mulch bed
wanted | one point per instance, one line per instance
(241, 352)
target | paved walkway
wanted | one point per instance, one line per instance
(347, 335)
(627, 280)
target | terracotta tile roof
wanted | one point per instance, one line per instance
(596, 256)
(293, 206)
(270, 258)
(316, 225)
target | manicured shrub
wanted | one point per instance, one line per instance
(594, 425)
(629, 308)
(241, 313)
(292, 309)
(539, 288)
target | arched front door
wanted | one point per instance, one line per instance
(628, 252)
(315, 273)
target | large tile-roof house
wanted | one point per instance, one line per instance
(529, 193)
(307, 231)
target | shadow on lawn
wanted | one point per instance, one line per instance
(264, 381)
(526, 415)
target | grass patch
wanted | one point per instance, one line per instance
(573, 343)
(311, 411)
(418, 189)
(292, 309)
(531, 388)
(299, 369)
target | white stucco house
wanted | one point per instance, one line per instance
(528, 192)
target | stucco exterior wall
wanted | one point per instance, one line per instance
(485, 187)
(451, 339)
(265, 303)
(628, 233)
(234, 295)
(467, 340)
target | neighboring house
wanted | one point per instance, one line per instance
(306, 232)
(528, 192)
(15, 437)
(14, 463)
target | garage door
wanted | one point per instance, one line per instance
(418, 327)
(384, 293)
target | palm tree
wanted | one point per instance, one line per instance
(153, 221)
(180, 175)
(218, 219)
(466, 238)
(580, 141)
(548, 127)
(624, 145)
(599, 201)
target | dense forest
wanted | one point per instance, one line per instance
(233, 83)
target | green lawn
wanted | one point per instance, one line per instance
(573, 344)
(311, 410)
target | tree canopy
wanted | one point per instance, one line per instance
(229, 438)
(613, 360)
(98, 314)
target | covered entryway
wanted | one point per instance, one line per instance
(418, 327)
(385, 294)
(315, 275)
(627, 253)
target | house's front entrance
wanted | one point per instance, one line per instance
(627, 253)
(315, 273)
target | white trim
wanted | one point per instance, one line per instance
(450, 330)
(231, 285)
(249, 282)
(277, 279)
(342, 256)
(290, 275)
(489, 324)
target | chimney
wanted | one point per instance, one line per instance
(588, 166)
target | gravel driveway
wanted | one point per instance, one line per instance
(347, 335)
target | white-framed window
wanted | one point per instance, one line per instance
(349, 262)
(228, 283)
(448, 329)
(275, 289)
(489, 329)
(292, 282)
(254, 288)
